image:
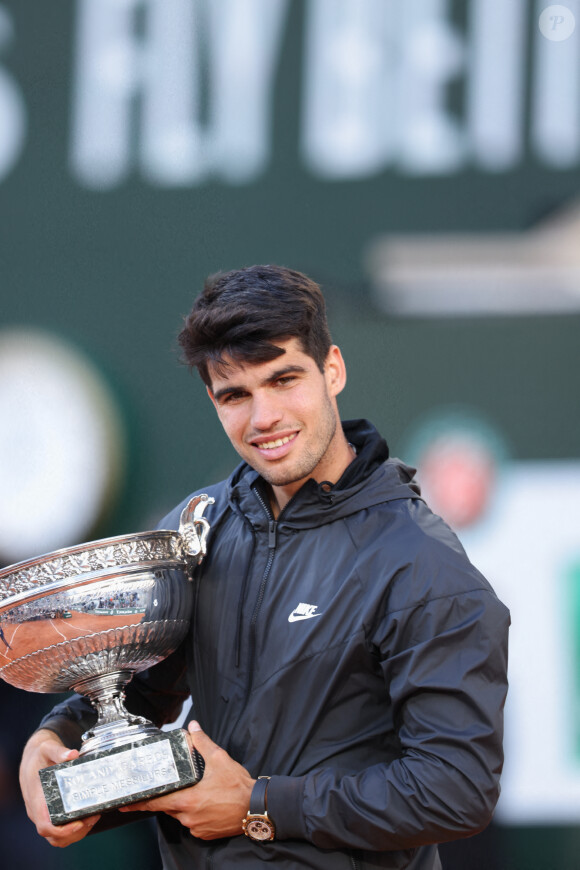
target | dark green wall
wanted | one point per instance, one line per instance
(114, 270)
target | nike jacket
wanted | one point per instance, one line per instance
(350, 651)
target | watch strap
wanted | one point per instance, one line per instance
(258, 804)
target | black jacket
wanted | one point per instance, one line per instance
(351, 652)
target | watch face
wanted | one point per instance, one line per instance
(259, 828)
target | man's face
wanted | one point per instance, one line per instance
(281, 416)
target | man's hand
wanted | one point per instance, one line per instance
(43, 750)
(216, 805)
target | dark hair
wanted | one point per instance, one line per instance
(241, 314)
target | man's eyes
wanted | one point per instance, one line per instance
(233, 397)
(238, 395)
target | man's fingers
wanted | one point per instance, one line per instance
(199, 740)
(139, 806)
(45, 749)
(56, 754)
(64, 835)
(168, 803)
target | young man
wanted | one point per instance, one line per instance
(347, 663)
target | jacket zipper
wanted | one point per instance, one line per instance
(272, 528)
(272, 542)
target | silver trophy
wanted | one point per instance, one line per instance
(87, 618)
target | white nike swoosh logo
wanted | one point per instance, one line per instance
(297, 617)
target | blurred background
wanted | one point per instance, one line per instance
(421, 160)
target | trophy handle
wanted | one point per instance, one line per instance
(194, 528)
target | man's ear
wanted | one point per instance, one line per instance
(334, 371)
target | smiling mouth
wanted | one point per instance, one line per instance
(278, 442)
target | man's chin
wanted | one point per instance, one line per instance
(276, 476)
(280, 477)
(277, 480)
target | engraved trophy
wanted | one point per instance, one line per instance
(87, 618)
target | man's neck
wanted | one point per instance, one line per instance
(279, 496)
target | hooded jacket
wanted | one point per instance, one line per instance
(351, 652)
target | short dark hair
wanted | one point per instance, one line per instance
(241, 314)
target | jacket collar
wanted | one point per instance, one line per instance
(371, 478)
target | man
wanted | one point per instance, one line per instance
(347, 663)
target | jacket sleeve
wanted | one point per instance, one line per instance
(444, 660)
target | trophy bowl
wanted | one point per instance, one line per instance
(87, 618)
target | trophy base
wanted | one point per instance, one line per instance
(117, 777)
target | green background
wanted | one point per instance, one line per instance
(114, 272)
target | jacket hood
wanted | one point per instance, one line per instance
(370, 479)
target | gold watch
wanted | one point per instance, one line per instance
(258, 825)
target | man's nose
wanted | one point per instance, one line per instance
(266, 412)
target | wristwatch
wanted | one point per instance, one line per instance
(258, 825)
